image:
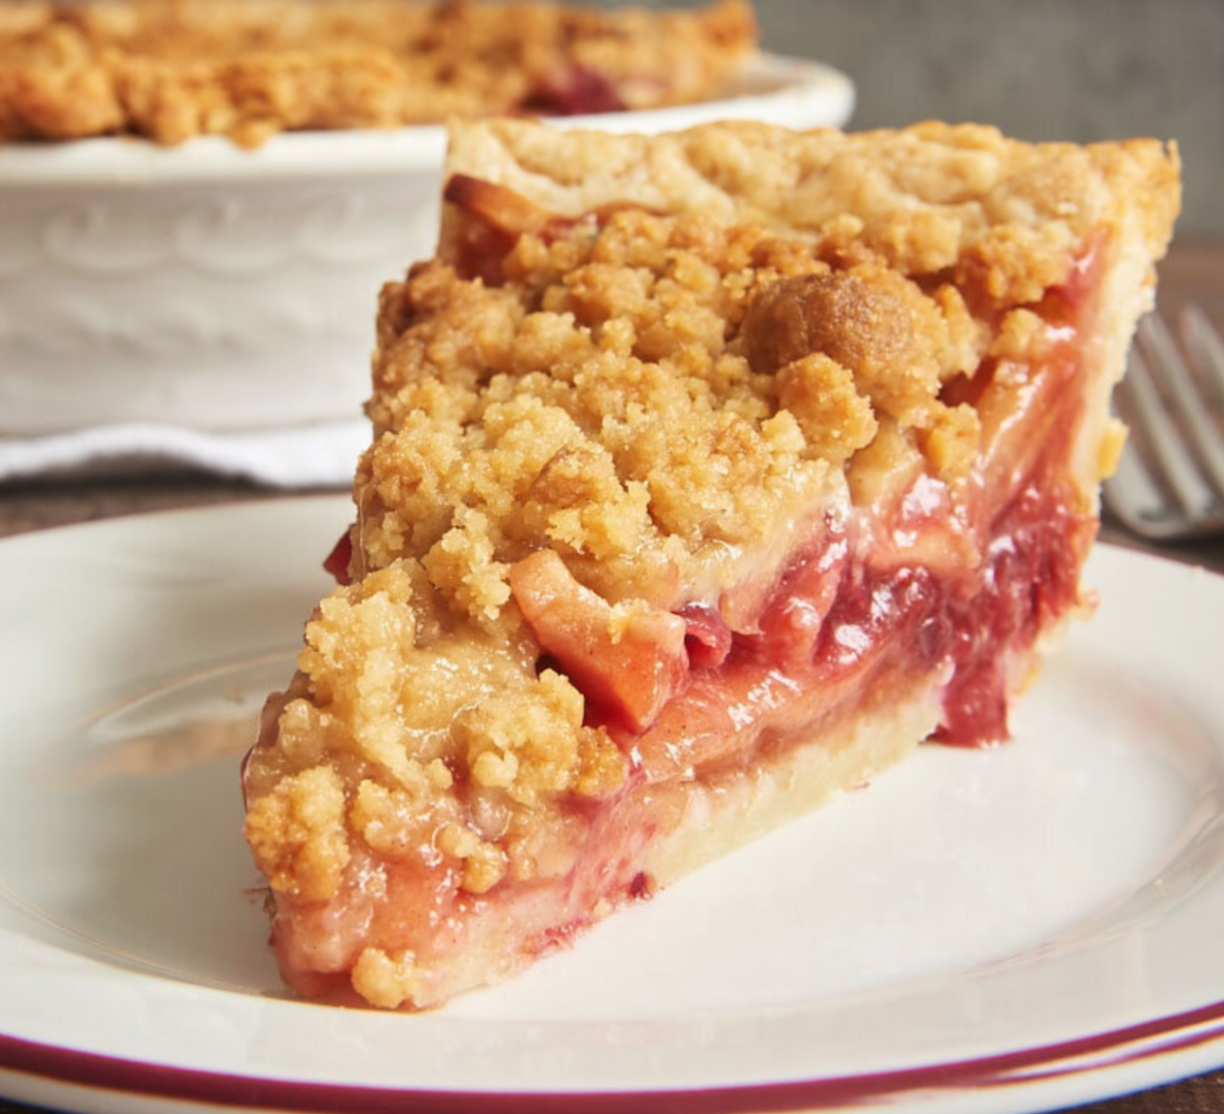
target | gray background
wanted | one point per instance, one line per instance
(1039, 69)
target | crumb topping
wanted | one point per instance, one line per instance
(173, 69)
(998, 219)
(653, 399)
(385, 980)
(298, 836)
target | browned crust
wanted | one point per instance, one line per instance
(928, 198)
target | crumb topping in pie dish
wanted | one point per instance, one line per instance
(711, 473)
(173, 69)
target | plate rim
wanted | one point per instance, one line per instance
(1181, 1031)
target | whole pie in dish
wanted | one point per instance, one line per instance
(172, 69)
(712, 473)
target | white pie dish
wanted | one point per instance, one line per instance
(215, 288)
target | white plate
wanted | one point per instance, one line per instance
(1005, 930)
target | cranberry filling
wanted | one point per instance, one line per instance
(707, 638)
(1030, 578)
(836, 626)
(577, 91)
(337, 562)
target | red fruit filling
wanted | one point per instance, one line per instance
(337, 562)
(707, 638)
(576, 91)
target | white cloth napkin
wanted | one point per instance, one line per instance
(300, 456)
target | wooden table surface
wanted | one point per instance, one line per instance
(1193, 271)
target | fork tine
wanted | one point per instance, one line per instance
(1160, 438)
(1133, 496)
(1205, 346)
(1189, 406)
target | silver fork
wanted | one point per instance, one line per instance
(1170, 481)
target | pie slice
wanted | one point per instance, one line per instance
(712, 473)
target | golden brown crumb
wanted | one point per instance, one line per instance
(383, 980)
(173, 69)
(298, 836)
(532, 744)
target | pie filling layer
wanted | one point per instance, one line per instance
(824, 657)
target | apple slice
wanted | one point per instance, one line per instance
(628, 660)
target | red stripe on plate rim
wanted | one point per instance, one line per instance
(1029, 1065)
